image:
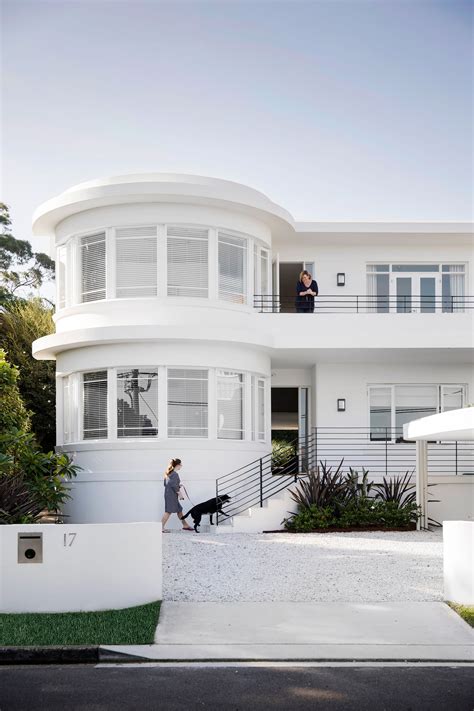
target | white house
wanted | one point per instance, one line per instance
(176, 335)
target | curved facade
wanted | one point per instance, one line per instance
(156, 349)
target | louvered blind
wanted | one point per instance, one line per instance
(93, 267)
(136, 254)
(188, 261)
(95, 405)
(232, 268)
(137, 402)
(230, 423)
(61, 265)
(187, 403)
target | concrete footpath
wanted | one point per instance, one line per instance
(277, 631)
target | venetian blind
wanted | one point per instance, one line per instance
(188, 262)
(61, 255)
(136, 256)
(230, 421)
(187, 403)
(137, 402)
(95, 404)
(232, 268)
(93, 267)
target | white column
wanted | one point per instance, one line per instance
(422, 482)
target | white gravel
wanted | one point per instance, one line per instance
(345, 567)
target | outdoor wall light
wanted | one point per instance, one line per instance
(341, 404)
(341, 279)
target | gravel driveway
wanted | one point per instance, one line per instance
(346, 567)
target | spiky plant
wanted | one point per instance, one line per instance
(321, 488)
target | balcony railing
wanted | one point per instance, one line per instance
(364, 304)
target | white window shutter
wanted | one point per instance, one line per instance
(137, 402)
(187, 403)
(67, 410)
(93, 267)
(136, 255)
(232, 268)
(188, 261)
(230, 405)
(95, 405)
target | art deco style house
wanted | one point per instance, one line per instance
(177, 336)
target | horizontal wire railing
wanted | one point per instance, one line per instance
(381, 451)
(363, 303)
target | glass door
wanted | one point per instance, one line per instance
(417, 293)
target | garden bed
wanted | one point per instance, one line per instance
(348, 529)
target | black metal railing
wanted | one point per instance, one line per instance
(258, 481)
(382, 451)
(363, 303)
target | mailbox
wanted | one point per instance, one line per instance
(30, 547)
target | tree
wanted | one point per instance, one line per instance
(22, 322)
(20, 268)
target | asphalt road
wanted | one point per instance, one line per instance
(88, 688)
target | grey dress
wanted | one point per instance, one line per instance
(171, 484)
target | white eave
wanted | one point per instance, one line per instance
(159, 187)
(452, 425)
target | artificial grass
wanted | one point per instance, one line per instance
(464, 611)
(131, 625)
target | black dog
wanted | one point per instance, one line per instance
(207, 507)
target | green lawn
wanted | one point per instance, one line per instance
(132, 625)
(465, 611)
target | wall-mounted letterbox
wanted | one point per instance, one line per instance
(30, 547)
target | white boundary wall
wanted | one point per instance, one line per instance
(101, 567)
(458, 556)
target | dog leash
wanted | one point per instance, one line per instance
(187, 495)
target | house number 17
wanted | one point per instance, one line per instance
(69, 539)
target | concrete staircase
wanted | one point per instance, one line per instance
(256, 519)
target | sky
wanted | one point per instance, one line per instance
(335, 109)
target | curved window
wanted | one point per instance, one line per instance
(143, 402)
(93, 267)
(232, 268)
(135, 254)
(188, 260)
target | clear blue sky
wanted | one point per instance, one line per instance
(336, 110)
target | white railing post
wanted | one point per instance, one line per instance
(422, 482)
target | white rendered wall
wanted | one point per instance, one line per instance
(84, 568)
(458, 558)
(122, 480)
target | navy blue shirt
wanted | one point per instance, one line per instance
(305, 303)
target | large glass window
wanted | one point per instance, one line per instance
(232, 268)
(230, 411)
(93, 267)
(392, 406)
(187, 403)
(453, 280)
(95, 405)
(135, 254)
(188, 261)
(67, 410)
(137, 402)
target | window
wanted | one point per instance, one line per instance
(261, 409)
(412, 288)
(187, 403)
(392, 406)
(230, 419)
(95, 405)
(61, 266)
(67, 410)
(137, 403)
(188, 263)
(232, 268)
(136, 249)
(453, 278)
(93, 267)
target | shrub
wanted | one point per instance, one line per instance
(309, 519)
(13, 414)
(320, 488)
(43, 475)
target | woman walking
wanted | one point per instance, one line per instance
(306, 290)
(172, 483)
